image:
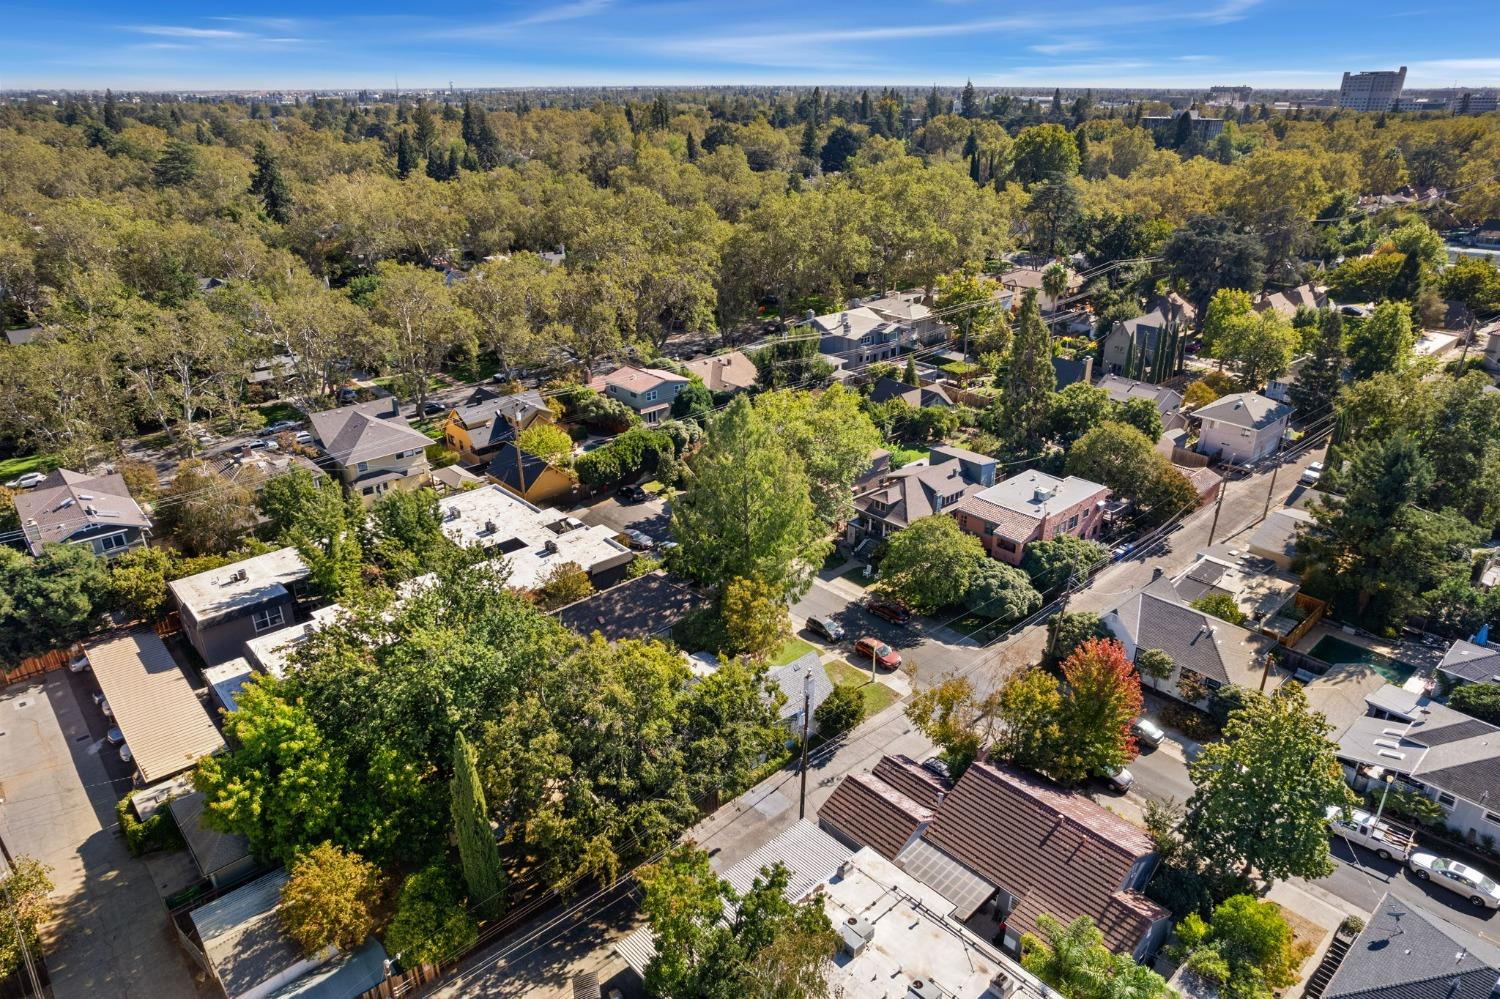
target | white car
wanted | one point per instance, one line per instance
(639, 540)
(28, 481)
(79, 663)
(1461, 878)
(303, 437)
(1311, 474)
(1147, 732)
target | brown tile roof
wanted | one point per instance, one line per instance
(1010, 524)
(866, 810)
(907, 776)
(724, 372)
(1057, 852)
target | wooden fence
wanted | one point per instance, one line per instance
(57, 658)
(1314, 609)
(408, 983)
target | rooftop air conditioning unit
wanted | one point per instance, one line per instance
(550, 547)
(921, 988)
(239, 576)
(1004, 985)
(855, 934)
(489, 527)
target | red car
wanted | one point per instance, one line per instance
(889, 610)
(870, 647)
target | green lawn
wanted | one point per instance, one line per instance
(12, 467)
(795, 648)
(857, 576)
(877, 695)
(275, 412)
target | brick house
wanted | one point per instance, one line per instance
(1032, 506)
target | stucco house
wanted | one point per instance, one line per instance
(223, 608)
(483, 422)
(1032, 506)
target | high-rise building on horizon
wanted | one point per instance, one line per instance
(1373, 91)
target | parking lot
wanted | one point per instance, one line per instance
(652, 516)
(59, 782)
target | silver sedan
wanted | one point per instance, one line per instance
(1461, 878)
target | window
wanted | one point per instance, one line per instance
(1072, 522)
(362, 467)
(270, 617)
(1446, 800)
(651, 395)
(112, 542)
(1492, 817)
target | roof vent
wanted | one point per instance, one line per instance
(1003, 986)
(239, 576)
(489, 527)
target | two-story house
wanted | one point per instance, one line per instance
(891, 501)
(1147, 348)
(1032, 506)
(1123, 390)
(724, 373)
(1241, 428)
(915, 396)
(906, 308)
(648, 391)
(1206, 652)
(223, 608)
(372, 448)
(478, 427)
(1005, 847)
(857, 336)
(96, 511)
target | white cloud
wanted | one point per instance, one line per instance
(1076, 45)
(181, 31)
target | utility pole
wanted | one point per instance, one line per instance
(806, 718)
(1270, 491)
(1218, 503)
(515, 439)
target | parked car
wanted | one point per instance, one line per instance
(1148, 733)
(126, 755)
(103, 705)
(1311, 474)
(631, 493)
(936, 765)
(639, 540)
(826, 628)
(1121, 552)
(889, 610)
(1117, 779)
(1461, 878)
(869, 647)
(433, 408)
(261, 444)
(1387, 840)
(79, 663)
(304, 437)
(279, 426)
(115, 736)
(347, 395)
(28, 481)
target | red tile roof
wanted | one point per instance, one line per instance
(1057, 852)
(907, 776)
(866, 810)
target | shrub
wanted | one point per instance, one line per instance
(431, 923)
(840, 711)
(1222, 606)
(329, 899)
(1352, 926)
(1482, 700)
(1190, 722)
(157, 833)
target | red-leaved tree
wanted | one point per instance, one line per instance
(1102, 699)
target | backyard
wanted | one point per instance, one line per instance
(1336, 652)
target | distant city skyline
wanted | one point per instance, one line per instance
(1268, 44)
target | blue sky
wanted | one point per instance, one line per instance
(274, 43)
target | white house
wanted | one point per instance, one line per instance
(1241, 428)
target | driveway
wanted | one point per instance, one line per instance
(933, 649)
(652, 516)
(111, 937)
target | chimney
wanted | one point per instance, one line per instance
(1156, 572)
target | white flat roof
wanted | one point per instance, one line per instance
(1019, 493)
(533, 540)
(212, 594)
(913, 937)
(164, 723)
(226, 679)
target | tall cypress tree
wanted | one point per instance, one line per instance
(692, 146)
(478, 855)
(1030, 381)
(406, 155)
(267, 184)
(112, 119)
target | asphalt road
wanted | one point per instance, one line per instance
(929, 649)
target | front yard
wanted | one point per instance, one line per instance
(793, 649)
(877, 695)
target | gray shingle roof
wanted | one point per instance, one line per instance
(351, 434)
(1475, 663)
(67, 503)
(913, 395)
(790, 679)
(1155, 618)
(637, 608)
(1126, 389)
(1245, 409)
(1406, 953)
(914, 492)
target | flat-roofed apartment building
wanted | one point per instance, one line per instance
(1377, 90)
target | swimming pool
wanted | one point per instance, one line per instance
(1336, 652)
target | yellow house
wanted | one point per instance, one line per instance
(529, 477)
(485, 421)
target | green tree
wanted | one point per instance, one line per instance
(1029, 706)
(49, 601)
(838, 149)
(1221, 606)
(1054, 214)
(329, 535)
(1247, 948)
(547, 441)
(139, 582)
(431, 923)
(1076, 410)
(1475, 282)
(483, 871)
(909, 375)
(565, 583)
(1043, 151)
(755, 617)
(1382, 342)
(1262, 793)
(418, 323)
(329, 899)
(1210, 253)
(747, 511)
(1322, 375)
(206, 512)
(286, 498)
(830, 436)
(177, 165)
(1141, 414)
(955, 718)
(267, 184)
(1070, 629)
(932, 564)
(1001, 592)
(406, 154)
(407, 535)
(26, 890)
(1061, 559)
(1482, 700)
(1029, 382)
(972, 303)
(841, 710)
(1365, 279)
(1074, 960)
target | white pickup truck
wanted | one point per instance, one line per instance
(1387, 840)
